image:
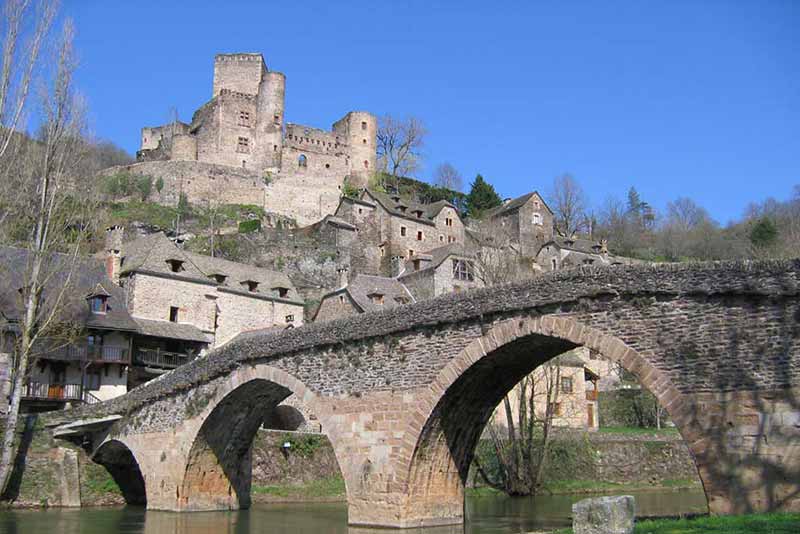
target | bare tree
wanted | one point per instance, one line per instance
(569, 202)
(400, 144)
(448, 177)
(50, 217)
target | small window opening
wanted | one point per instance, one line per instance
(244, 118)
(566, 384)
(290, 318)
(420, 237)
(175, 266)
(402, 231)
(282, 292)
(376, 298)
(252, 286)
(243, 145)
(363, 125)
(173, 314)
(366, 164)
(302, 161)
(327, 165)
(219, 278)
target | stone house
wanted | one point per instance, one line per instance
(362, 294)
(442, 270)
(399, 228)
(526, 221)
(572, 400)
(238, 148)
(568, 252)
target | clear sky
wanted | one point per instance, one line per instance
(678, 98)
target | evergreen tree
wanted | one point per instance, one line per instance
(764, 233)
(481, 197)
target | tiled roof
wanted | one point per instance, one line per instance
(394, 205)
(83, 277)
(514, 204)
(363, 285)
(152, 254)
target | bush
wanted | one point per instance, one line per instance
(117, 185)
(144, 185)
(246, 227)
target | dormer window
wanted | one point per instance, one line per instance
(219, 278)
(98, 304)
(376, 298)
(418, 213)
(251, 285)
(401, 209)
(282, 292)
(175, 266)
(396, 198)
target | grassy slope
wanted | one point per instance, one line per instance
(744, 524)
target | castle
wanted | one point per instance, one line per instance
(239, 149)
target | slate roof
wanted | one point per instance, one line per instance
(437, 256)
(87, 278)
(587, 246)
(151, 254)
(167, 329)
(393, 204)
(515, 204)
(363, 285)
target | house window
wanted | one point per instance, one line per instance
(274, 148)
(566, 384)
(553, 263)
(588, 261)
(418, 213)
(451, 239)
(376, 298)
(173, 314)
(410, 253)
(175, 266)
(448, 221)
(555, 408)
(463, 270)
(244, 118)
(341, 299)
(251, 285)
(302, 161)
(363, 125)
(420, 237)
(536, 204)
(537, 219)
(290, 318)
(402, 231)
(360, 211)
(219, 278)
(282, 292)
(98, 304)
(243, 145)
(441, 238)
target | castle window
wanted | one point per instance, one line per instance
(302, 161)
(383, 250)
(363, 125)
(366, 164)
(537, 219)
(290, 318)
(277, 119)
(173, 314)
(243, 145)
(364, 141)
(244, 164)
(244, 118)
(402, 231)
(420, 237)
(251, 285)
(274, 148)
(327, 165)
(175, 266)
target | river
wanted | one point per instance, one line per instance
(486, 515)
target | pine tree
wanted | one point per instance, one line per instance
(764, 233)
(481, 197)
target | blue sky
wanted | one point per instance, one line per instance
(677, 98)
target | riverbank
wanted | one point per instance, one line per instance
(743, 524)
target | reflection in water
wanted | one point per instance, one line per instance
(486, 515)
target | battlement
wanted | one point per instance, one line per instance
(244, 56)
(241, 73)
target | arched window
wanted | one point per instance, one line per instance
(302, 161)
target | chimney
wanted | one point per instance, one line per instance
(398, 266)
(114, 235)
(342, 272)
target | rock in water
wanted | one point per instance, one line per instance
(604, 515)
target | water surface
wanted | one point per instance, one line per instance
(486, 515)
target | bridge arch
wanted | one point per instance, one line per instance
(218, 466)
(120, 462)
(464, 395)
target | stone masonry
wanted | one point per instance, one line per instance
(403, 394)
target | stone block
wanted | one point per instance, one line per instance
(604, 515)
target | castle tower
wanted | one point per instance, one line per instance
(269, 120)
(360, 129)
(240, 73)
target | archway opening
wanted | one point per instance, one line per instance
(445, 449)
(285, 417)
(118, 459)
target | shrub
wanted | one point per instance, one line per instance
(144, 186)
(246, 227)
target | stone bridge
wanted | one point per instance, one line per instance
(404, 394)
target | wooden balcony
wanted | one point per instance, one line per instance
(161, 358)
(57, 392)
(89, 353)
(591, 395)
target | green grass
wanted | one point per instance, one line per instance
(741, 524)
(562, 487)
(325, 488)
(638, 431)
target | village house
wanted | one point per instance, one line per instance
(447, 269)
(146, 307)
(362, 294)
(525, 220)
(568, 252)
